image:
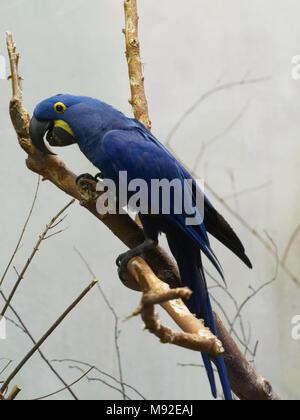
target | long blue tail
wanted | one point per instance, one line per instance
(219, 362)
(192, 276)
(201, 306)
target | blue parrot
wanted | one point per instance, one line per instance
(115, 144)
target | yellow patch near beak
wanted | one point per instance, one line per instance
(65, 126)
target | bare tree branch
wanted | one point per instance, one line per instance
(138, 99)
(247, 191)
(65, 388)
(208, 94)
(217, 137)
(245, 382)
(116, 318)
(28, 333)
(290, 244)
(22, 233)
(9, 362)
(35, 250)
(46, 336)
(90, 379)
(102, 373)
(14, 393)
(195, 336)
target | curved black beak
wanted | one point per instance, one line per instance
(59, 137)
(59, 134)
(37, 131)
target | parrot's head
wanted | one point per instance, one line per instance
(49, 122)
(63, 120)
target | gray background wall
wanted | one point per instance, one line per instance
(77, 47)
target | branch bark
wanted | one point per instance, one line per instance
(195, 336)
(246, 383)
(138, 99)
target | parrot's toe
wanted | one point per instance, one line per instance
(85, 176)
(124, 259)
(98, 176)
(140, 251)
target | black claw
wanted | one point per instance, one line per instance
(140, 251)
(118, 262)
(124, 259)
(98, 176)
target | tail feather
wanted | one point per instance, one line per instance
(217, 226)
(223, 375)
(219, 361)
(210, 374)
(192, 275)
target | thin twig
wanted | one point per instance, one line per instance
(6, 366)
(243, 340)
(65, 388)
(208, 94)
(14, 63)
(116, 318)
(14, 393)
(102, 381)
(56, 233)
(290, 244)
(35, 250)
(101, 372)
(26, 331)
(217, 137)
(258, 290)
(46, 336)
(22, 233)
(247, 191)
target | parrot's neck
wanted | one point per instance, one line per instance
(95, 121)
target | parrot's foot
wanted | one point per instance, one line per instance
(140, 251)
(86, 185)
(90, 177)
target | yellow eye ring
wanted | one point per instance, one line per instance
(60, 107)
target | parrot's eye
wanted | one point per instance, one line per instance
(60, 107)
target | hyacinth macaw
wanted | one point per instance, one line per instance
(114, 143)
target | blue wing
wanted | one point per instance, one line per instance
(137, 154)
(215, 224)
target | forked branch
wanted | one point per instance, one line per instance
(195, 336)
